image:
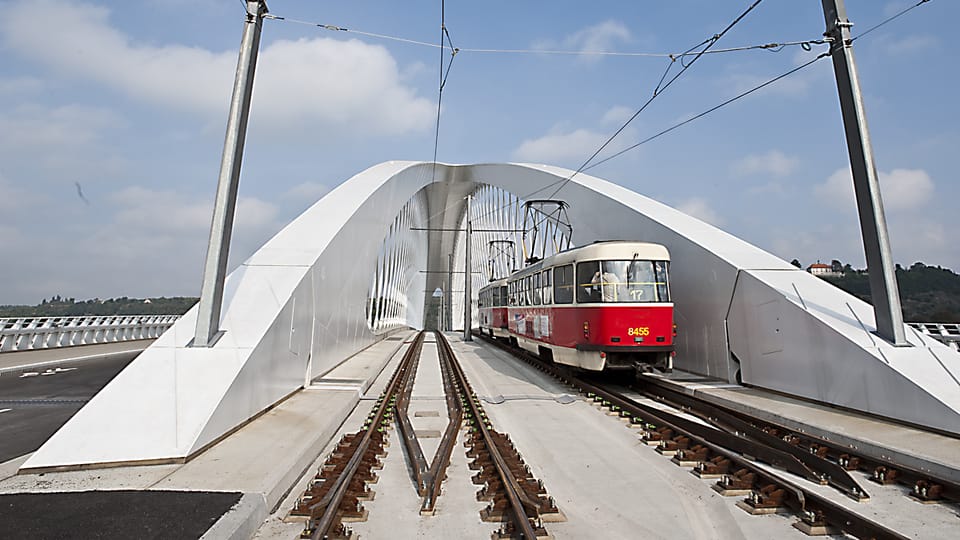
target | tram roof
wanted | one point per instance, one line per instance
(609, 250)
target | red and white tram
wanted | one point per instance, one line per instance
(602, 306)
(493, 308)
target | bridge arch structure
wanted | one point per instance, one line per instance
(367, 258)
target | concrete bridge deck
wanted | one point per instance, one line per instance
(268, 460)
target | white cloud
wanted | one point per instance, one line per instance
(309, 192)
(774, 163)
(35, 125)
(910, 44)
(563, 146)
(599, 37)
(560, 147)
(617, 115)
(700, 209)
(169, 211)
(20, 85)
(344, 84)
(11, 198)
(901, 189)
(797, 85)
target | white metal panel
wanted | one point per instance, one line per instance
(828, 352)
(314, 275)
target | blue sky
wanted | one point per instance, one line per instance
(129, 100)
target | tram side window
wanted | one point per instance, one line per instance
(535, 280)
(663, 287)
(547, 289)
(503, 295)
(563, 283)
(512, 292)
(523, 291)
(588, 282)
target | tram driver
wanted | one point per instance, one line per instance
(608, 283)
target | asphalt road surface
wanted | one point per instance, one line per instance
(124, 515)
(33, 407)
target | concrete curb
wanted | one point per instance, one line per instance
(242, 521)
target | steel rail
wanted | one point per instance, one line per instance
(322, 526)
(510, 485)
(808, 442)
(441, 460)
(805, 501)
(828, 471)
(408, 435)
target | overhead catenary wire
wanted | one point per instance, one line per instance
(708, 111)
(730, 100)
(444, 74)
(770, 46)
(888, 19)
(660, 88)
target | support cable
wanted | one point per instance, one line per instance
(731, 100)
(771, 47)
(708, 111)
(444, 73)
(895, 16)
(661, 87)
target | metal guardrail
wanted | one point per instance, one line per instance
(946, 333)
(32, 333)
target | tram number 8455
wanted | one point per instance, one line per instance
(638, 331)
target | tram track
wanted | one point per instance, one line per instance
(335, 494)
(516, 499)
(724, 451)
(924, 486)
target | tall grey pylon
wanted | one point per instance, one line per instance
(884, 292)
(224, 208)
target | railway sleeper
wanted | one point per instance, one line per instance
(741, 482)
(715, 468)
(770, 499)
(351, 511)
(340, 532)
(672, 446)
(818, 450)
(885, 475)
(927, 492)
(509, 530)
(814, 523)
(654, 437)
(848, 462)
(691, 457)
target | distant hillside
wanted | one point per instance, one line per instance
(61, 307)
(928, 293)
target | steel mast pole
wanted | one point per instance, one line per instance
(221, 228)
(873, 226)
(467, 279)
(448, 315)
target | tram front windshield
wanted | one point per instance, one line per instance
(623, 281)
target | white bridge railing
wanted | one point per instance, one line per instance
(946, 333)
(31, 333)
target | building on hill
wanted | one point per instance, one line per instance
(820, 269)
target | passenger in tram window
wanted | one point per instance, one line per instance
(608, 283)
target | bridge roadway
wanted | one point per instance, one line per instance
(40, 390)
(606, 483)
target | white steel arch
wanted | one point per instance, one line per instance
(301, 304)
